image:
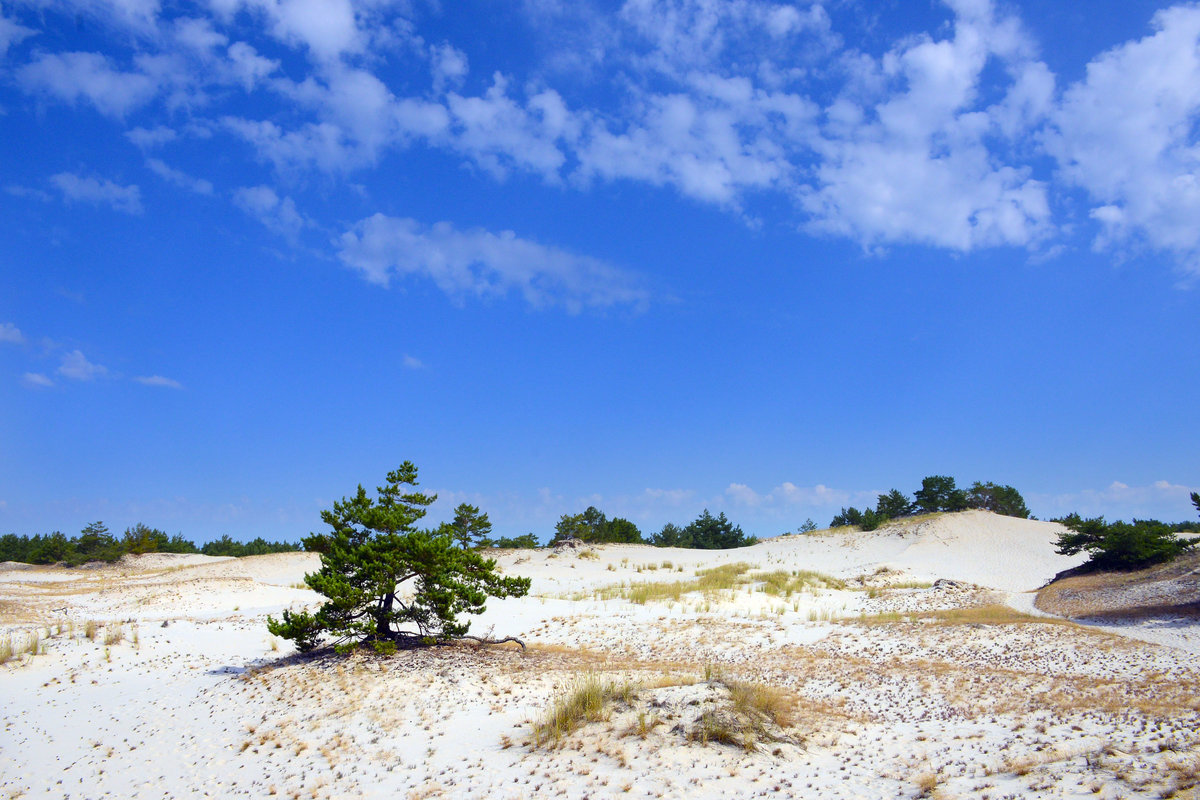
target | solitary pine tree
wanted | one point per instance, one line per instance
(388, 582)
(469, 527)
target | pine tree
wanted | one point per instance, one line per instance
(387, 581)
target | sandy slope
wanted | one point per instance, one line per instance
(981, 702)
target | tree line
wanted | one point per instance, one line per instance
(1125, 545)
(937, 493)
(471, 528)
(96, 543)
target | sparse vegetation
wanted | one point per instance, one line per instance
(1120, 545)
(372, 552)
(587, 701)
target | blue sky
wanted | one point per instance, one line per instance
(655, 255)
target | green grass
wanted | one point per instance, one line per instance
(784, 584)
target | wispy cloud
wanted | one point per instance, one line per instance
(1121, 501)
(277, 213)
(76, 367)
(36, 380)
(158, 380)
(98, 191)
(485, 264)
(410, 362)
(179, 178)
(11, 33)
(90, 78)
(11, 333)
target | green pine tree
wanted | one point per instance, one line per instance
(387, 581)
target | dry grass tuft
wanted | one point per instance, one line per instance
(589, 701)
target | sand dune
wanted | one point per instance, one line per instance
(892, 684)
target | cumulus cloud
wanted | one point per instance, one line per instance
(11, 333)
(182, 179)
(87, 77)
(159, 381)
(98, 191)
(277, 213)
(912, 162)
(1127, 135)
(481, 263)
(76, 367)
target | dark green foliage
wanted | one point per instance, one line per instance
(144, 539)
(469, 528)
(52, 549)
(671, 535)
(1120, 545)
(623, 531)
(706, 532)
(526, 541)
(893, 505)
(998, 499)
(807, 527)
(594, 527)
(1196, 500)
(372, 555)
(871, 519)
(95, 543)
(847, 516)
(255, 547)
(937, 493)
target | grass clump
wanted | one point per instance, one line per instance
(113, 633)
(589, 701)
(754, 713)
(784, 584)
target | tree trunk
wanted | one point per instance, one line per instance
(383, 629)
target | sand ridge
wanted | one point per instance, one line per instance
(896, 685)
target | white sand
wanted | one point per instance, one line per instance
(205, 707)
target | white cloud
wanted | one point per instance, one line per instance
(98, 191)
(76, 367)
(497, 132)
(1122, 501)
(10, 333)
(75, 77)
(11, 33)
(411, 362)
(1127, 135)
(159, 380)
(182, 179)
(913, 163)
(36, 380)
(481, 263)
(327, 28)
(449, 66)
(277, 214)
(788, 494)
(247, 67)
(146, 138)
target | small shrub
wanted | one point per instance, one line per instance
(113, 633)
(90, 629)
